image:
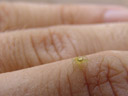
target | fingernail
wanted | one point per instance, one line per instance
(116, 16)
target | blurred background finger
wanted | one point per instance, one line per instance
(29, 15)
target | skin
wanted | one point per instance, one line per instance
(38, 61)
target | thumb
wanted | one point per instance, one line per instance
(104, 75)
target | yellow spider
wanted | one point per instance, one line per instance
(79, 61)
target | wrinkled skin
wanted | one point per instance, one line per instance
(37, 46)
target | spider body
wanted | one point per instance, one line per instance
(79, 61)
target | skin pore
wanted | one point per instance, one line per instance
(38, 43)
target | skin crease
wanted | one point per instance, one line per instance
(105, 73)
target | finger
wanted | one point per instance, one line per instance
(25, 15)
(39, 46)
(105, 74)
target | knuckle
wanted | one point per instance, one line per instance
(67, 14)
(109, 71)
(7, 52)
(6, 10)
(53, 44)
(62, 41)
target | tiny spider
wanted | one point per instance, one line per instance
(79, 61)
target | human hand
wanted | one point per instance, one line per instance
(51, 49)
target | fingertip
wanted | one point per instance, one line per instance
(115, 13)
(116, 16)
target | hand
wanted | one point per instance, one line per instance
(30, 41)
